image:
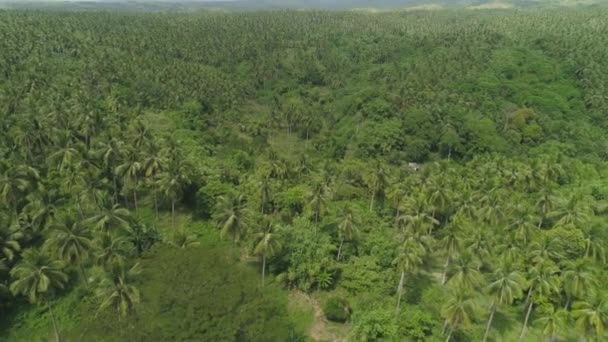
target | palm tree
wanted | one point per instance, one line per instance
(415, 215)
(9, 240)
(110, 217)
(594, 244)
(377, 181)
(396, 194)
(458, 310)
(409, 259)
(232, 215)
(71, 242)
(267, 243)
(522, 224)
(591, 316)
(111, 249)
(545, 205)
(542, 283)
(35, 276)
(183, 239)
(464, 272)
(577, 280)
(173, 181)
(130, 170)
(142, 236)
(553, 322)
(348, 223)
(318, 198)
(116, 289)
(14, 181)
(42, 206)
(451, 244)
(506, 285)
(572, 212)
(153, 165)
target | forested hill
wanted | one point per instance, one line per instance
(251, 176)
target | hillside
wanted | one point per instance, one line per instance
(303, 175)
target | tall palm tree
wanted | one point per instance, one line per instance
(110, 217)
(377, 181)
(408, 260)
(267, 243)
(232, 215)
(130, 171)
(14, 182)
(542, 282)
(348, 223)
(111, 249)
(464, 272)
(71, 242)
(9, 240)
(577, 280)
(458, 310)
(594, 244)
(396, 194)
(591, 316)
(116, 289)
(522, 224)
(153, 165)
(172, 182)
(35, 276)
(318, 198)
(553, 322)
(451, 244)
(544, 204)
(506, 285)
(573, 211)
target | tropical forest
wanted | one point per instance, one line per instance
(424, 174)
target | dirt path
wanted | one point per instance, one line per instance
(320, 329)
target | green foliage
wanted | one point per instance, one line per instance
(188, 293)
(374, 325)
(336, 309)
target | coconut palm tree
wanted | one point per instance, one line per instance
(267, 243)
(377, 181)
(111, 249)
(577, 280)
(553, 323)
(573, 211)
(35, 277)
(116, 290)
(9, 239)
(232, 215)
(591, 316)
(451, 244)
(408, 260)
(130, 170)
(110, 217)
(506, 285)
(172, 182)
(318, 198)
(464, 272)
(348, 223)
(71, 242)
(542, 281)
(458, 310)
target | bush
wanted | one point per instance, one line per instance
(336, 309)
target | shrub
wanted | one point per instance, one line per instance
(336, 309)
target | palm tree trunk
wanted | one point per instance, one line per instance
(445, 270)
(155, 204)
(84, 276)
(57, 339)
(451, 331)
(263, 268)
(399, 292)
(371, 202)
(397, 217)
(529, 295)
(485, 335)
(523, 330)
(135, 199)
(173, 214)
(449, 152)
(568, 299)
(340, 250)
